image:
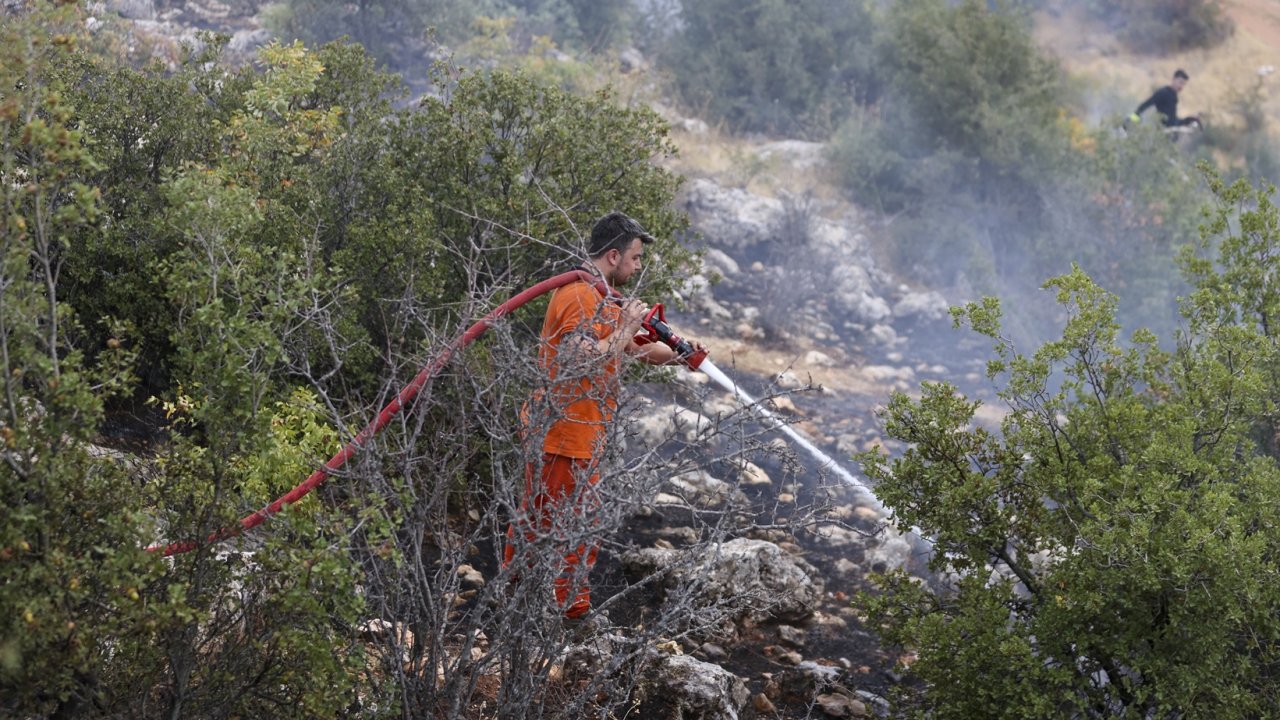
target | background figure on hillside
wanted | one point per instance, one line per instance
(583, 340)
(1165, 101)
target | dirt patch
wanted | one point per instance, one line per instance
(1259, 18)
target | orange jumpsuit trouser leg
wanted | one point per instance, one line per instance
(554, 505)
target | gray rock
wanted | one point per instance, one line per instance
(700, 489)
(808, 679)
(819, 359)
(835, 536)
(693, 126)
(751, 579)
(793, 636)
(133, 9)
(838, 705)
(883, 335)
(891, 550)
(470, 577)
(719, 261)
(878, 705)
(713, 651)
(666, 422)
(922, 305)
(680, 687)
(631, 60)
(888, 373)
(247, 41)
(788, 380)
(847, 568)
(750, 475)
(730, 217)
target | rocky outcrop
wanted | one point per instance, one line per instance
(748, 580)
(820, 268)
(680, 687)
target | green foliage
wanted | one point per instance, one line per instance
(971, 79)
(503, 177)
(70, 557)
(393, 31)
(1165, 26)
(235, 236)
(592, 25)
(771, 65)
(1122, 210)
(1233, 272)
(146, 125)
(971, 97)
(396, 32)
(1251, 142)
(1108, 552)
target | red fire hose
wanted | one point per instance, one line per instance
(401, 399)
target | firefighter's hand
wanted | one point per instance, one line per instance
(633, 312)
(698, 347)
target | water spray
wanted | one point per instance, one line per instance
(919, 544)
(826, 462)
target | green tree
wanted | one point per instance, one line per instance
(773, 66)
(142, 126)
(71, 562)
(970, 78)
(490, 188)
(393, 31)
(1233, 272)
(288, 246)
(94, 624)
(1109, 552)
(967, 127)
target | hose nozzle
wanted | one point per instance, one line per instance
(657, 329)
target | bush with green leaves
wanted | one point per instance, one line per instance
(1232, 270)
(1123, 209)
(969, 78)
(1109, 551)
(71, 562)
(393, 31)
(771, 65)
(276, 249)
(95, 624)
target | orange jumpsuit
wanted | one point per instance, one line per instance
(574, 411)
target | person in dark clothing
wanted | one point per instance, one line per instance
(1165, 101)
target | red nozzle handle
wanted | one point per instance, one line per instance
(657, 330)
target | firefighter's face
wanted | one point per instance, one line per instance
(627, 263)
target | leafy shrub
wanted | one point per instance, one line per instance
(393, 31)
(771, 65)
(250, 233)
(969, 78)
(1107, 552)
(591, 25)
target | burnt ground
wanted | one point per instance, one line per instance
(764, 655)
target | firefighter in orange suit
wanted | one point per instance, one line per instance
(583, 341)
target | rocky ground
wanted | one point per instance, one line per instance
(802, 313)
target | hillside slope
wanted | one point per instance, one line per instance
(1117, 79)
